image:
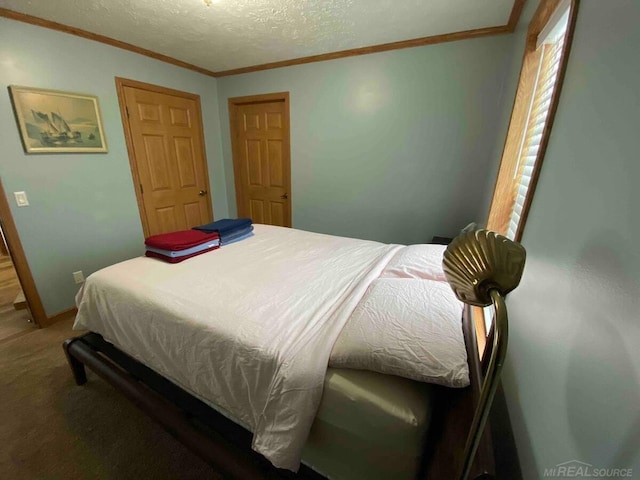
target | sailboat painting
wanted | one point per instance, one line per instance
(51, 121)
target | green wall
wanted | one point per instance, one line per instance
(572, 376)
(391, 146)
(83, 213)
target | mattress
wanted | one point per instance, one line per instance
(248, 328)
(369, 425)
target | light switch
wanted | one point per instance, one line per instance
(21, 199)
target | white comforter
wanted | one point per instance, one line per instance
(248, 328)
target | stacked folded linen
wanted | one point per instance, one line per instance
(236, 237)
(175, 247)
(230, 230)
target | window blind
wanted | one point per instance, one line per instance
(545, 84)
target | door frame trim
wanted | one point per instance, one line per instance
(19, 260)
(235, 102)
(121, 83)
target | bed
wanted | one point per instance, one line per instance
(229, 351)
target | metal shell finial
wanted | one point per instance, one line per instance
(476, 262)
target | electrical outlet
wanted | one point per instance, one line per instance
(78, 276)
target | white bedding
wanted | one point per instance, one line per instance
(248, 328)
(406, 327)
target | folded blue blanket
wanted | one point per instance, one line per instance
(233, 234)
(226, 225)
(236, 239)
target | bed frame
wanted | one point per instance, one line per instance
(227, 446)
(481, 268)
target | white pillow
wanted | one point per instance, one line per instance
(417, 261)
(406, 327)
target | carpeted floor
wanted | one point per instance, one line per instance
(51, 429)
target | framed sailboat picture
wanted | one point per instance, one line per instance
(51, 121)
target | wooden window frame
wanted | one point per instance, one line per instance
(502, 203)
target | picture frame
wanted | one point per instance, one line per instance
(53, 121)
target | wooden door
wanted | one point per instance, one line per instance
(261, 162)
(21, 265)
(168, 160)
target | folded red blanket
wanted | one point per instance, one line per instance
(177, 259)
(180, 240)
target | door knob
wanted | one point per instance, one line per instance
(202, 193)
(284, 196)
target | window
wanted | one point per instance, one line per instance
(545, 58)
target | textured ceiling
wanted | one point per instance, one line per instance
(233, 34)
